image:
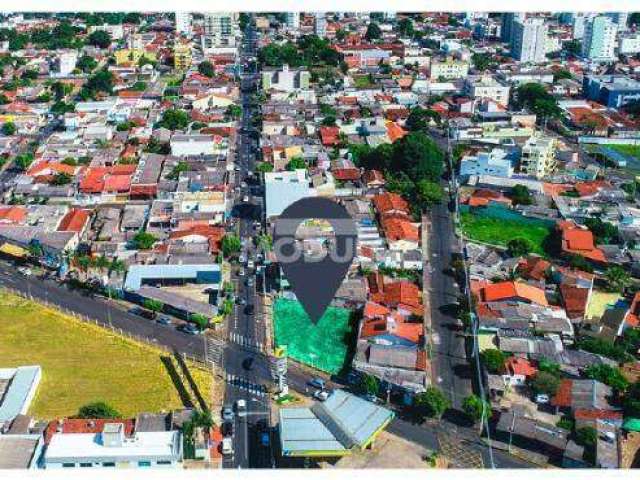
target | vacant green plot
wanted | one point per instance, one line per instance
(499, 231)
(322, 346)
(83, 363)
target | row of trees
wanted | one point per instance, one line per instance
(310, 50)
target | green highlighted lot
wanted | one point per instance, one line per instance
(498, 231)
(83, 363)
(322, 346)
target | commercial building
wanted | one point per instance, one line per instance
(629, 44)
(613, 91)
(529, 38)
(194, 144)
(538, 157)
(487, 87)
(497, 162)
(293, 20)
(333, 428)
(599, 42)
(220, 30)
(139, 275)
(579, 20)
(320, 25)
(182, 56)
(450, 68)
(508, 19)
(620, 19)
(281, 189)
(183, 23)
(285, 79)
(112, 449)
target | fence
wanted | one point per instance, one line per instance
(83, 318)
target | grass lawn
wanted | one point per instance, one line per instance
(499, 232)
(362, 81)
(632, 150)
(83, 363)
(322, 346)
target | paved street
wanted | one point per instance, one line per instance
(247, 331)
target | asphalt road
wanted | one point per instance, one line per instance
(246, 332)
(451, 370)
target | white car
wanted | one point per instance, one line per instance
(245, 199)
(321, 395)
(250, 264)
(227, 446)
(25, 271)
(241, 408)
(241, 272)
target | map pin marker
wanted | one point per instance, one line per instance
(315, 280)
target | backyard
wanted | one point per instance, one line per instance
(83, 363)
(498, 231)
(322, 346)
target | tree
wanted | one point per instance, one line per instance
(60, 108)
(419, 118)
(617, 278)
(475, 408)
(23, 161)
(154, 305)
(98, 410)
(143, 240)
(604, 232)
(573, 47)
(329, 121)
(405, 27)
(9, 128)
(630, 340)
(603, 347)
(102, 263)
(546, 365)
(100, 39)
(61, 178)
(296, 163)
(580, 263)
(631, 400)
(202, 321)
(587, 437)
(520, 195)
(493, 359)
(544, 383)
(173, 119)
(101, 81)
(117, 267)
(233, 111)
(535, 97)
(418, 155)
(482, 61)
(562, 74)
(179, 167)
(369, 384)
(608, 375)
(264, 167)
(139, 86)
(231, 245)
(431, 403)
(206, 69)
(373, 32)
(429, 193)
(519, 247)
(86, 63)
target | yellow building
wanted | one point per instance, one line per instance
(133, 55)
(182, 57)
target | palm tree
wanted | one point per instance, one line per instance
(117, 266)
(102, 263)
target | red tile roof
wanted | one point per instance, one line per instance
(388, 202)
(563, 397)
(346, 174)
(395, 131)
(74, 221)
(520, 366)
(519, 290)
(596, 414)
(13, 214)
(329, 136)
(579, 241)
(399, 229)
(574, 300)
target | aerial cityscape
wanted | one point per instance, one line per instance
(490, 317)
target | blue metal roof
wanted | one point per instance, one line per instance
(20, 391)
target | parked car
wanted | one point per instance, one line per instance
(249, 309)
(227, 414)
(265, 439)
(25, 271)
(190, 329)
(163, 320)
(227, 446)
(251, 264)
(542, 398)
(245, 199)
(321, 395)
(317, 383)
(241, 408)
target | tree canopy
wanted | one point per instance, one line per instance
(535, 98)
(206, 69)
(431, 403)
(98, 410)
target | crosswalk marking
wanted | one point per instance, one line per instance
(245, 342)
(242, 383)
